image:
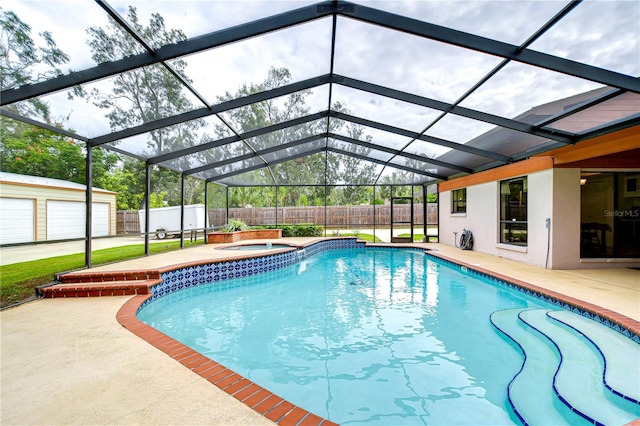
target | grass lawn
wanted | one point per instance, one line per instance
(19, 280)
(365, 237)
(417, 238)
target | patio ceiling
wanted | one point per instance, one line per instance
(436, 90)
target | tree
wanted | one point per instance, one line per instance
(23, 62)
(144, 94)
(147, 94)
(29, 150)
(34, 151)
(38, 152)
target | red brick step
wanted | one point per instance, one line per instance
(96, 289)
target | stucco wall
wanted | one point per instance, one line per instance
(482, 218)
(565, 225)
(552, 193)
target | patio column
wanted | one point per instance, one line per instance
(88, 201)
(147, 213)
(182, 178)
(325, 210)
(374, 213)
(206, 210)
(227, 218)
(438, 211)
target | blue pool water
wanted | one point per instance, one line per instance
(359, 336)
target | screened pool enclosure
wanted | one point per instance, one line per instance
(383, 99)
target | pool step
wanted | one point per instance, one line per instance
(95, 284)
(109, 288)
(620, 354)
(578, 381)
(534, 381)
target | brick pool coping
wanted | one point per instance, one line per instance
(259, 399)
(262, 400)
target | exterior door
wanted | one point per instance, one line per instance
(401, 219)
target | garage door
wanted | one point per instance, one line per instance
(65, 220)
(16, 220)
(100, 222)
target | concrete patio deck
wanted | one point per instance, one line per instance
(68, 361)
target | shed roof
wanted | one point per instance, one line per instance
(13, 178)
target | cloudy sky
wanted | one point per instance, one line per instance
(603, 33)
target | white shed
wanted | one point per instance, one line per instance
(34, 208)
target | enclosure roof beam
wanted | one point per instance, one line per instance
(317, 150)
(225, 141)
(253, 155)
(334, 136)
(337, 115)
(384, 163)
(558, 135)
(140, 39)
(310, 13)
(214, 109)
(260, 166)
(171, 51)
(415, 135)
(26, 120)
(410, 156)
(490, 46)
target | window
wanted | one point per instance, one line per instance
(513, 211)
(459, 200)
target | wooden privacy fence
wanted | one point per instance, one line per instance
(336, 216)
(127, 222)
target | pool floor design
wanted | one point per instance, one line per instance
(261, 400)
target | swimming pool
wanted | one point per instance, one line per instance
(375, 336)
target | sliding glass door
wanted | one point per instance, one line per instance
(610, 214)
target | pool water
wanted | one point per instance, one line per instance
(359, 336)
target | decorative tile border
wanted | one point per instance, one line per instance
(176, 279)
(618, 322)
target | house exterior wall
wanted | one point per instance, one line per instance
(40, 194)
(483, 219)
(553, 194)
(565, 224)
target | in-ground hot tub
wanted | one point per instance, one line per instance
(265, 246)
